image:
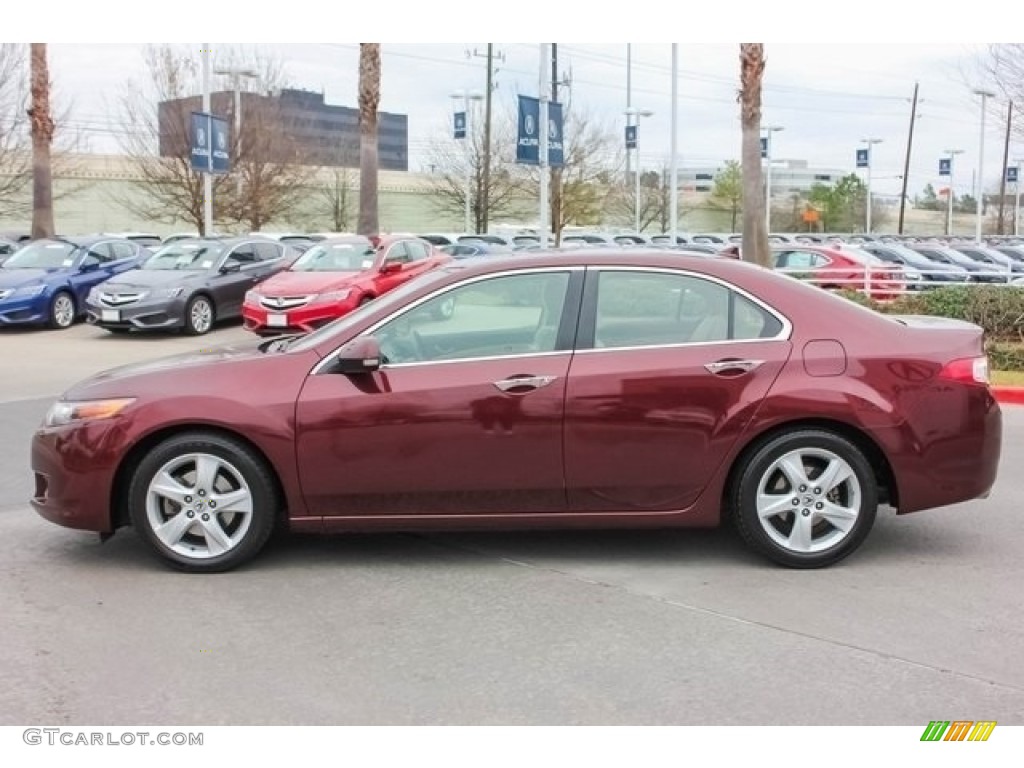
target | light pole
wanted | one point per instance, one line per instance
(949, 198)
(769, 130)
(468, 97)
(981, 165)
(1016, 199)
(867, 216)
(236, 74)
(636, 114)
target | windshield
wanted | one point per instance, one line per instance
(186, 256)
(44, 254)
(352, 256)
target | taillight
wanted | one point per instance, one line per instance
(969, 370)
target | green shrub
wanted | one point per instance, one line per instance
(1005, 357)
(999, 309)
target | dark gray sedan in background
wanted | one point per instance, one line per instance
(189, 285)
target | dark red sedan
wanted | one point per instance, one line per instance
(334, 277)
(591, 388)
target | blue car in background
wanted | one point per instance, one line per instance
(46, 281)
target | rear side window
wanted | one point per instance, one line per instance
(642, 309)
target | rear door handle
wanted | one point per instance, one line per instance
(722, 367)
(526, 383)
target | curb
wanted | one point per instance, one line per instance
(1009, 395)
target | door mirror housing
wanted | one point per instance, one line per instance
(230, 267)
(360, 355)
(390, 266)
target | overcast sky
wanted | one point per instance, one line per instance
(828, 96)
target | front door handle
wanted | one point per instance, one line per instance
(723, 367)
(523, 383)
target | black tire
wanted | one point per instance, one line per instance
(62, 310)
(822, 511)
(198, 544)
(200, 315)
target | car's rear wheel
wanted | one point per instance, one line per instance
(805, 498)
(199, 315)
(62, 310)
(203, 502)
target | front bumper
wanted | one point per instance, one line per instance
(303, 319)
(146, 314)
(16, 310)
(74, 469)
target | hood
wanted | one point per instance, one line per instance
(16, 278)
(290, 283)
(127, 377)
(154, 278)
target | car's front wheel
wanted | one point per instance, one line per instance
(805, 498)
(203, 502)
(62, 310)
(199, 315)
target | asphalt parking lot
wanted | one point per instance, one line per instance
(925, 621)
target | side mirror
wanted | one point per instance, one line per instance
(390, 266)
(360, 355)
(230, 267)
(90, 266)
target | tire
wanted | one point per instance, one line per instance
(199, 316)
(818, 525)
(166, 488)
(444, 309)
(62, 310)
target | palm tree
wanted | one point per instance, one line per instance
(42, 138)
(369, 98)
(755, 233)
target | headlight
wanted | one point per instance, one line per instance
(65, 411)
(333, 296)
(168, 293)
(912, 274)
(30, 290)
(251, 297)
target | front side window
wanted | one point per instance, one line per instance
(496, 317)
(644, 309)
(347, 256)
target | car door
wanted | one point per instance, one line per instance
(229, 287)
(94, 267)
(392, 271)
(669, 369)
(464, 416)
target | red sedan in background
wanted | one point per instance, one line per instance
(841, 268)
(334, 277)
(593, 388)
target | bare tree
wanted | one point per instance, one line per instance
(655, 203)
(501, 192)
(154, 136)
(15, 147)
(336, 198)
(369, 100)
(592, 160)
(755, 233)
(42, 139)
(267, 170)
